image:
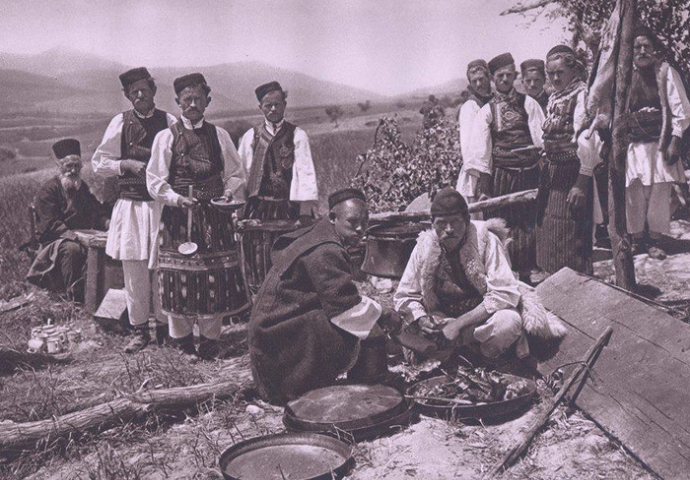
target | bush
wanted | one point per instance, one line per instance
(397, 173)
(364, 106)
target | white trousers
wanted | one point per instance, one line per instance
(650, 203)
(141, 286)
(498, 334)
(183, 326)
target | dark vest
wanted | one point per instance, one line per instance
(645, 126)
(510, 129)
(197, 160)
(542, 99)
(137, 140)
(273, 157)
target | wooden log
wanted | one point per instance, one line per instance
(525, 196)
(14, 437)
(620, 239)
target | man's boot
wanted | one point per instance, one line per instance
(209, 349)
(654, 250)
(140, 338)
(185, 345)
(162, 333)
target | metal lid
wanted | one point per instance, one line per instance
(364, 411)
(297, 456)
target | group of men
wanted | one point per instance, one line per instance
(155, 157)
(308, 319)
(513, 142)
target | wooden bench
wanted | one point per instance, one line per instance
(102, 272)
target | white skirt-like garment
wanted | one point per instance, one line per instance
(132, 230)
(646, 162)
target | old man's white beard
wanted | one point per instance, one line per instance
(70, 183)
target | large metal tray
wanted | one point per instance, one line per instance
(362, 411)
(297, 456)
(477, 411)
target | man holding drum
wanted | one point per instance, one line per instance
(194, 157)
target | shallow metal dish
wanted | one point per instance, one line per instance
(297, 456)
(482, 411)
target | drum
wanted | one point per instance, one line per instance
(209, 283)
(258, 237)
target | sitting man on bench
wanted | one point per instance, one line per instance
(64, 204)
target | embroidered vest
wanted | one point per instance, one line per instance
(510, 129)
(271, 172)
(196, 160)
(543, 100)
(559, 127)
(137, 139)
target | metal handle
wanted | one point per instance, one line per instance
(189, 214)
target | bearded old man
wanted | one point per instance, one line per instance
(196, 153)
(659, 115)
(458, 282)
(125, 151)
(64, 204)
(504, 155)
(308, 318)
(479, 87)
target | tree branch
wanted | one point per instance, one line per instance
(522, 8)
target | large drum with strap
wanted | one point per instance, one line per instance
(210, 282)
(258, 237)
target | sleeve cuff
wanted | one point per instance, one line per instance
(360, 319)
(586, 171)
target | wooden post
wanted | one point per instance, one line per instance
(620, 239)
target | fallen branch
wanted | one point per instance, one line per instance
(522, 8)
(579, 376)
(116, 412)
(12, 360)
(483, 206)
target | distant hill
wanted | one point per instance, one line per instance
(452, 87)
(67, 81)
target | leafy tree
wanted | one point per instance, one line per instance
(334, 112)
(363, 107)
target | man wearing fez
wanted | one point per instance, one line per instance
(308, 318)
(125, 151)
(197, 153)
(504, 156)
(533, 77)
(659, 114)
(281, 181)
(64, 204)
(480, 93)
(459, 284)
(565, 202)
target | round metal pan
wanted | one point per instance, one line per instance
(363, 411)
(294, 456)
(480, 411)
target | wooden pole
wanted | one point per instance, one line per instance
(620, 239)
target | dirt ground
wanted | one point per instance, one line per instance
(188, 444)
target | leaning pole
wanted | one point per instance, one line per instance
(620, 239)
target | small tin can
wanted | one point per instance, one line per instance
(55, 344)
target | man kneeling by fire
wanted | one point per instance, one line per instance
(459, 287)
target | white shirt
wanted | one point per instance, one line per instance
(303, 187)
(107, 157)
(467, 183)
(158, 170)
(502, 286)
(479, 158)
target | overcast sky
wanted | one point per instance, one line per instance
(387, 46)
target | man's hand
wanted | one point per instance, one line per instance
(390, 321)
(227, 195)
(577, 197)
(185, 202)
(134, 167)
(431, 325)
(672, 151)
